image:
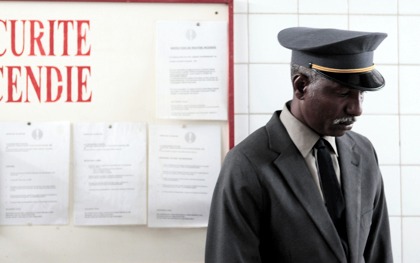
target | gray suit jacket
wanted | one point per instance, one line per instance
(266, 206)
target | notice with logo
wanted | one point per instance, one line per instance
(109, 173)
(192, 70)
(184, 163)
(34, 181)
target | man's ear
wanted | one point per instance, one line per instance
(300, 82)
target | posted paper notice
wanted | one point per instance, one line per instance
(192, 70)
(34, 181)
(110, 173)
(184, 163)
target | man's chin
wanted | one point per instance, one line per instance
(338, 133)
(340, 129)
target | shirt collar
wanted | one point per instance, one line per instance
(302, 136)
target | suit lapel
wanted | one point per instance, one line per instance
(293, 168)
(351, 181)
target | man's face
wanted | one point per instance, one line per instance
(330, 108)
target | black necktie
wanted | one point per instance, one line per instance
(331, 190)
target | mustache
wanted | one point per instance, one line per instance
(349, 119)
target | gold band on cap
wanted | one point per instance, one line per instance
(337, 70)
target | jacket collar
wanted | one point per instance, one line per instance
(302, 136)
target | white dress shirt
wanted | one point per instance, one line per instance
(305, 138)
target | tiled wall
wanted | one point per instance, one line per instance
(391, 116)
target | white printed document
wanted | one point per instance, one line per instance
(34, 181)
(184, 163)
(192, 70)
(109, 173)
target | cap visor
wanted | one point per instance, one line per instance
(366, 81)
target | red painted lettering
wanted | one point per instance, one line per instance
(37, 32)
(5, 30)
(65, 24)
(13, 38)
(81, 37)
(30, 79)
(1, 71)
(58, 87)
(12, 87)
(82, 73)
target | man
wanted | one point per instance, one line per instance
(273, 201)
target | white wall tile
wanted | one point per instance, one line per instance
(257, 121)
(383, 131)
(387, 52)
(324, 6)
(409, 39)
(409, 101)
(410, 180)
(240, 38)
(392, 183)
(409, 6)
(384, 101)
(273, 6)
(395, 226)
(324, 21)
(410, 140)
(240, 6)
(241, 98)
(269, 87)
(374, 7)
(241, 128)
(263, 43)
(410, 240)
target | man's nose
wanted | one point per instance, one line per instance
(355, 105)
